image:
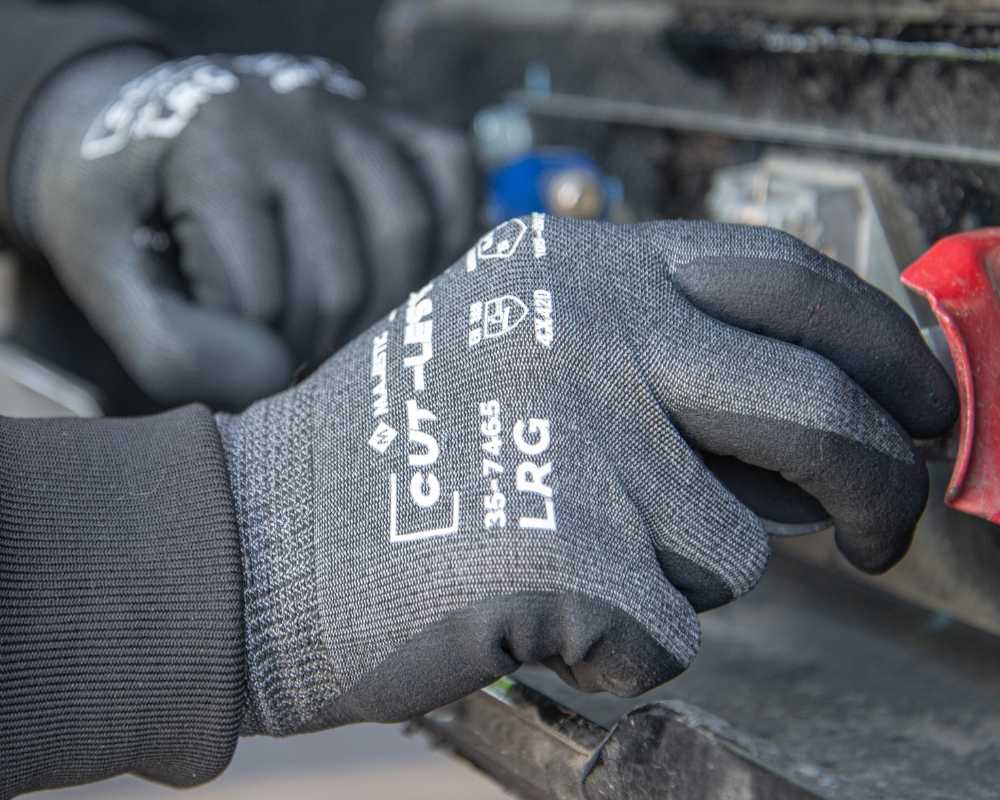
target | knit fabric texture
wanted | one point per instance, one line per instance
(121, 640)
(504, 470)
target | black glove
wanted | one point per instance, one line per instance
(222, 219)
(503, 471)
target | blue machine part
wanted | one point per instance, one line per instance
(557, 181)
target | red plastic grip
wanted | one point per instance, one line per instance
(960, 278)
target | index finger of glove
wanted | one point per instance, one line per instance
(444, 164)
(768, 282)
(784, 408)
(326, 280)
(224, 221)
(392, 212)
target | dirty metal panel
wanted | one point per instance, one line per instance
(896, 10)
(538, 750)
(841, 689)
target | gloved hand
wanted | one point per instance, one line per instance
(221, 220)
(502, 471)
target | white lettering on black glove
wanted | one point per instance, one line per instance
(503, 470)
(285, 215)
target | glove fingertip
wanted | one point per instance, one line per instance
(627, 667)
(874, 558)
(192, 353)
(886, 538)
(940, 408)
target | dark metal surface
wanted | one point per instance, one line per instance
(826, 688)
(692, 120)
(848, 691)
(541, 750)
(530, 744)
(899, 11)
(671, 750)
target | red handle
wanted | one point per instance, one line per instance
(960, 277)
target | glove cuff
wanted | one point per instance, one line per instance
(269, 457)
(121, 637)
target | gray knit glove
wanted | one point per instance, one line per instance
(502, 470)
